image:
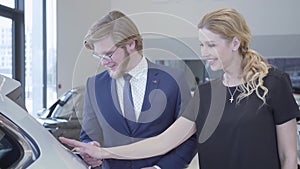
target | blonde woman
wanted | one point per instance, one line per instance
(244, 120)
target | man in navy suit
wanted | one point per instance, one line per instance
(158, 95)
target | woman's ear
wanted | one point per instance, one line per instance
(235, 43)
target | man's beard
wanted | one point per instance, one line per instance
(119, 72)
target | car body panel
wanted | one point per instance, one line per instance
(46, 151)
(7, 85)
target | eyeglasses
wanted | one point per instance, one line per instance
(106, 57)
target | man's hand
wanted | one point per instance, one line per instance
(83, 148)
(94, 162)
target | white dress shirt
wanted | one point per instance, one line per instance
(138, 86)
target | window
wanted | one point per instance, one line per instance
(40, 55)
(8, 3)
(34, 55)
(27, 52)
(6, 46)
(51, 53)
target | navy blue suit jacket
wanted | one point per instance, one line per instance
(167, 93)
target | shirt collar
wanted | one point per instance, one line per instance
(140, 70)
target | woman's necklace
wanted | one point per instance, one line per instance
(235, 82)
(232, 93)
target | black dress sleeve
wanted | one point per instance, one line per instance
(192, 108)
(281, 97)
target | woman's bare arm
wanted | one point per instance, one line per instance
(176, 134)
(287, 144)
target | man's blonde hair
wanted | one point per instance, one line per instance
(117, 25)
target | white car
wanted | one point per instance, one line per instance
(24, 142)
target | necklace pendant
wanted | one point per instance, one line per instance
(232, 94)
(231, 99)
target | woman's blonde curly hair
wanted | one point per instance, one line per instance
(229, 24)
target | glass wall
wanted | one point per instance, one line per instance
(34, 55)
(40, 56)
(8, 3)
(6, 46)
(51, 52)
(28, 49)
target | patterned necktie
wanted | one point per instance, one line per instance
(127, 99)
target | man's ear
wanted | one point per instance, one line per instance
(235, 43)
(131, 45)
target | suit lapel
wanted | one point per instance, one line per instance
(152, 84)
(115, 96)
(109, 106)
